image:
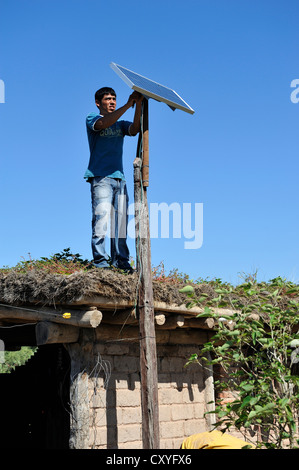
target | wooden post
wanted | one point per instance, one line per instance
(209, 393)
(145, 301)
(82, 363)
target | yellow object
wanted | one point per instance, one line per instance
(214, 440)
(66, 315)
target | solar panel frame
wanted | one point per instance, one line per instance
(153, 89)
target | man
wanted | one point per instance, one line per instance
(106, 175)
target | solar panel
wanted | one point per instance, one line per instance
(151, 89)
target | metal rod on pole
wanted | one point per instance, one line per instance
(145, 304)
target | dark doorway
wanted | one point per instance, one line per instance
(34, 398)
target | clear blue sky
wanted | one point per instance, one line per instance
(232, 60)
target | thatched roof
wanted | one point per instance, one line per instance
(42, 286)
(47, 288)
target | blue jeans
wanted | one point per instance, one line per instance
(109, 204)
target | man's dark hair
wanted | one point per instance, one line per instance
(104, 91)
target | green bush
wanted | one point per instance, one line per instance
(13, 359)
(257, 347)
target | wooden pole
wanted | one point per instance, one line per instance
(145, 301)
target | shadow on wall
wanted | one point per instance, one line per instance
(115, 401)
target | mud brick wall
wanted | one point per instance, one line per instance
(114, 396)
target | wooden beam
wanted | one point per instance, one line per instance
(83, 318)
(48, 333)
(111, 333)
(128, 317)
(123, 317)
(114, 333)
(160, 319)
(105, 303)
(181, 321)
(184, 336)
(205, 323)
(172, 322)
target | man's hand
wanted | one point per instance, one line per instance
(135, 97)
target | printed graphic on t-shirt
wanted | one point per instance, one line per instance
(110, 132)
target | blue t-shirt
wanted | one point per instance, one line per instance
(106, 148)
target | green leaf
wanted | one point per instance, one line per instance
(254, 400)
(225, 346)
(216, 299)
(247, 387)
(252, 414)
(187, 290)
(265, 341)
(222, 291)
(291, 291)
(203, 315)
(293, 426)
(275, 293)
(215, 361)
(246, 402)
(268, 407)
(236, 356)
(233, 333)
(251, 292)
(253, 335)
(283, 401)
(206, 313)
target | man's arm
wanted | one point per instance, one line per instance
(106, 121)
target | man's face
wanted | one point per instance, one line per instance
(107, 104)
